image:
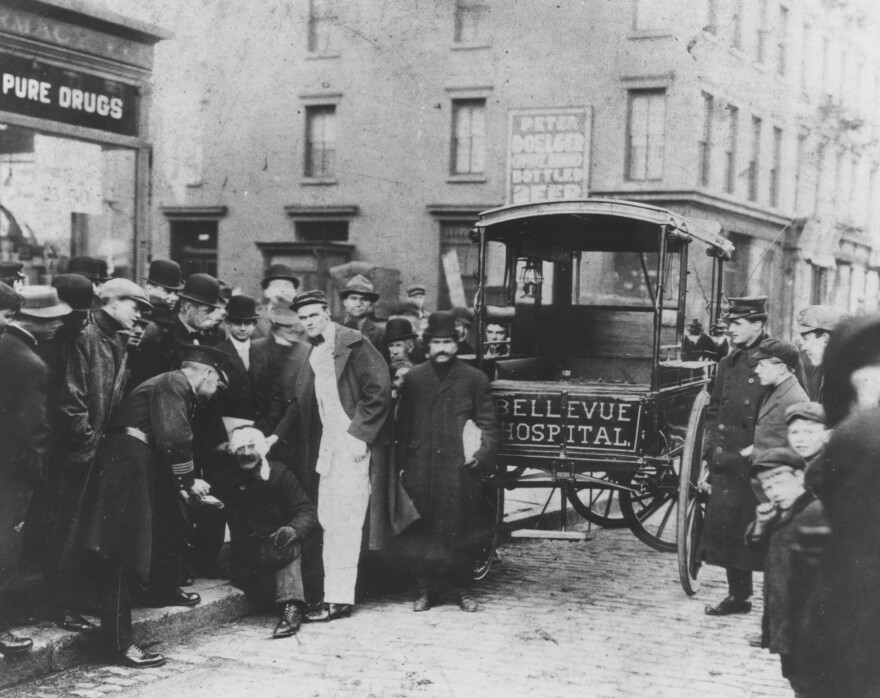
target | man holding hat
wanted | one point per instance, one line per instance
(441, 400)
(279, 289)
(23, 433)
(340, 410)
(730, 430)
(777, 363)
(131, 514)
(815, 324)
(12, 275)
(358, 298)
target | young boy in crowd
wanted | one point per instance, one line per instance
(807, 435)
(789, 509)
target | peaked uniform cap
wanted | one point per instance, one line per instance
(750, 308)
(165, 273)
(202, 288)
(309, 298)
(204, 355)
(280, 271)
(42, 302)
(359, 284)
(77, 291)
(123, 288)
(11, 271)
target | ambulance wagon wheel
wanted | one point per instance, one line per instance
(493, 501)
(598, 506)
(692, 497)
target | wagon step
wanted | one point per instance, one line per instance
(552, 535)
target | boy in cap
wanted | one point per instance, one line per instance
(808, 435)
(790, 508)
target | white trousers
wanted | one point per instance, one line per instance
(343, 498)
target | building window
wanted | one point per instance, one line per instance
(468, 136)
(774, 170)
(470, 21)
(755, 160)
(646, 126)
(843, 285)
(736, 19)
(455, 239)
(320, 141)
(782, 40)
(761, 39)
(818, 285)
(730, 149)
(799, 169)
(321, 231)
(711, 25)
(706, 142)
(322, 26)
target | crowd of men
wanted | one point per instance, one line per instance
(140, 423)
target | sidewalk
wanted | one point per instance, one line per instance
(56, 649)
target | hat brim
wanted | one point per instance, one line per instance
(200, 301)
(294, 280)
(47, 313)
(239, 318)
(727, 317)
(443, 335)
(401, 337)
(167, 287)
(372, 297)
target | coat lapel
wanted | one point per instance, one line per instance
(341, 351)
(234, 359)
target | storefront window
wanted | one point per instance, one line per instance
(61, 197)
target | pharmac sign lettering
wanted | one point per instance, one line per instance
(548, 155)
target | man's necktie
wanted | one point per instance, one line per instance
(315, 341)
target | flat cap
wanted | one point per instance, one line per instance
(777, 457)
(773, 348)
(309, 298)
(125, 289)
(819, 317)
(750, 308)
(812, 411)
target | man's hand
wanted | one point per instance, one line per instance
(747, 451)
(474, 468)
(284, 536)
(765, 514)
(200, 488)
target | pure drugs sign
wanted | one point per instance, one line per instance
(542, 423)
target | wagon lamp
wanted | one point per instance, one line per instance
(531, 278)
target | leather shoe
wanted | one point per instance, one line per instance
(329, 611)
(175, 597)
(728, 606)
(467, 603)
(425, 601)
(289, 622)
(75, 623)
(12, 644)
(139, 658)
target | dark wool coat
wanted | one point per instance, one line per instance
(23, 435)
(256, 509)
(848, 615)
(730, 427)
(702, 348)
(157, 352)
(94, 381)
(240, 399)
(365, 394)
(775, 544)
(130, 504)
(432, 416)
(770, 429)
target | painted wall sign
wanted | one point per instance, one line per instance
(45, 91)
(548, 156)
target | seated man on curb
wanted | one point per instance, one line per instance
(269, 516)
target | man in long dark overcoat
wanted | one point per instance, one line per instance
(730, 430)
(438, 399)
(131, 514)
(340, 411)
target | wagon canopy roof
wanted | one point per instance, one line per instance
(596, 224)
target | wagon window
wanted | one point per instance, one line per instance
(624, 279)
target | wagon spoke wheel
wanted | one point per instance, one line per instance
(493, 501)
(650, 512)
(692, 496)
(600, 507)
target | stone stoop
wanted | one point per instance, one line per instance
(56, 649)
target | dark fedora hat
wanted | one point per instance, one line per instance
(360, 284)
(440, 325)
(280, 271)
(88, 267)
(77, 291)
(204, 355)
(165, 273)
(749, 308)
(241, 309)
(397, 329)
(11, 272)
(309, 298)
(202, 288)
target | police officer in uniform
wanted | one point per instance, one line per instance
(730, 430)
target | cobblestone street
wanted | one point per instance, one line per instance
(602, 618)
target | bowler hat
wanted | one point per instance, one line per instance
(280, 271)
(125, 289)
(440, 325)
(10, 299)
(773, 348)
(360, 284)
(718, 328)
(241, 309)
(416, 290)
(202, 288)
(77, 291)
(819, 317)
(11, 271)
(165, 273)
(462, 314)
(811, 411)
(204, 355)
(42, 302)
(88, 267)
(750, 308)
(776, 457)
(695, 326)
(309, 298)
(397, 329)
(103, 272)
